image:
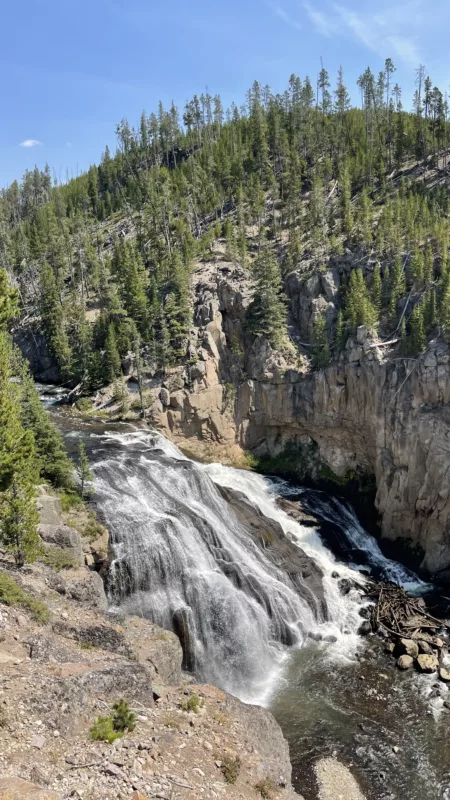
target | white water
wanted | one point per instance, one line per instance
(179, 549)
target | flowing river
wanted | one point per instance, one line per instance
(193, 552)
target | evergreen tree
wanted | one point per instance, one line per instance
(417, 339)
(321, 347)
(266, 314)
(84, 473)
(358, 307)
(376, 290)
(111, 363)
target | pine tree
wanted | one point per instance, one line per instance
(84, 473)
(358, 307)
(397, 288)
(417, 339)
(266, 314)
(18, 521)
(53, 461)
(376, 290)
(321, 346)
(111, 363)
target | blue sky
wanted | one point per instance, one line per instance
(71, 69)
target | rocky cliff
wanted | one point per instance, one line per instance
(369, 412)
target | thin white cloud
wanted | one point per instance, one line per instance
(281, 12)
(386, 33)
(406, 49)
(322, 22)
(30, 143)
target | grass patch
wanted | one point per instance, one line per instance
(266, 788)
(58, 558)
(230, 768)
(192, 703)
(112, 727)
(12, 595)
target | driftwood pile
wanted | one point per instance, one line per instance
(415, 637)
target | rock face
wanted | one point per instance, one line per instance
(366, 413)
(17, 789)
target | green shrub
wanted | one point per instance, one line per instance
(265, 788)
(230, 768)
(59, 558)
(123, 718)
(103, 730)
(69, 500)
(12, 595)
(84, 404)
(193, 703)
(108, 729)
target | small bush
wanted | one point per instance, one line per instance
(103, 730)
(84, 404)
(123, 718)
(12, 595)
(193, 703)
(230, 768)
(266, 788)
(70, 500)
(58, 558)
(108, 729)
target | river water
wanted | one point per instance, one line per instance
(183, 559)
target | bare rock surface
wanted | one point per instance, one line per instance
(336, 781)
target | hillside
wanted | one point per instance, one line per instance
(272, 278)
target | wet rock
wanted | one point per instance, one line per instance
(407, 647)
(365, 612)
(427, 663)
(335, 574)
(17, 789)
(405, 662)
(344, 586)
(390, 647)
(365, 628)
(444, 675)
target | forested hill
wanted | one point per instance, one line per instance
(289, 181)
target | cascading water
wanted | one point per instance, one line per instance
(183, 560)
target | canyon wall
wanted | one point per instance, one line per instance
(367, 412)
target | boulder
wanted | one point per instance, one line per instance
(427, 663)
(405, 662)
(17, 789)
(65, 538)
(444, 675)
(129, 680)
(85, 587)
(365, 628)
(425, 647)
(164, 396)
(407, 647)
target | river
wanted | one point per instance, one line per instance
(183, 559)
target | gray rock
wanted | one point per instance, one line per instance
(198, 371)
(330, 283)
(128, 680)
(63, 537)
(85, 587)
(405, 662)
(407, 647)
(427, 663)
(164, 396)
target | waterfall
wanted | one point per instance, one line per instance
(183, 560)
